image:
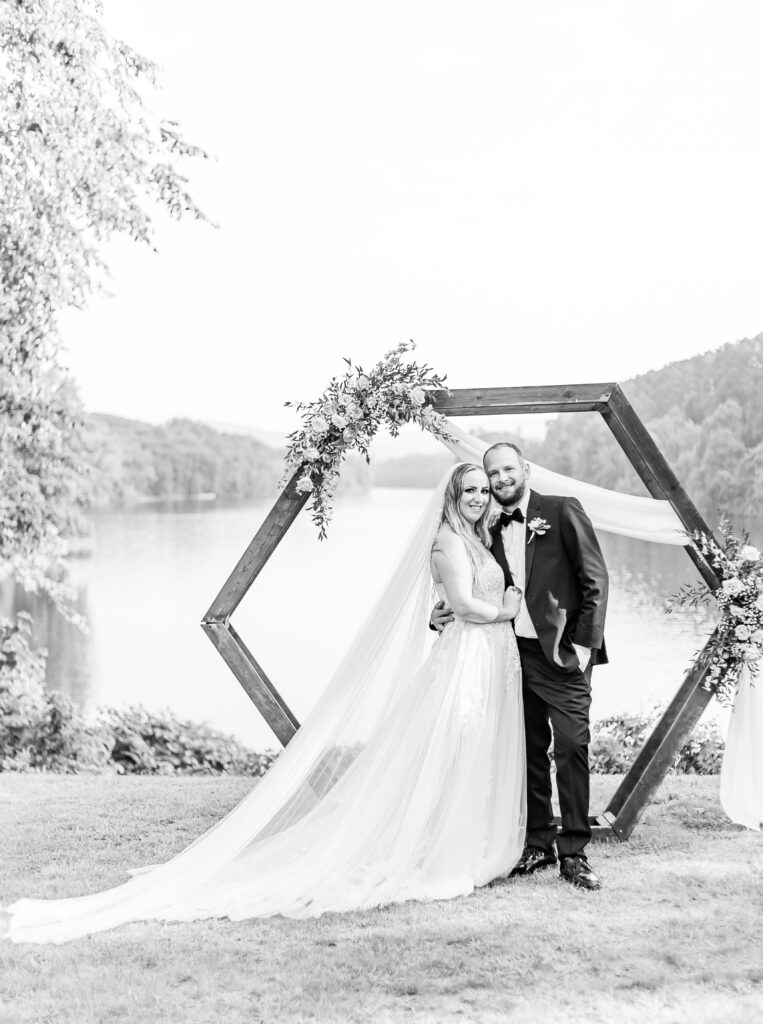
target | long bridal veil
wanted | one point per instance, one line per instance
(381, 662)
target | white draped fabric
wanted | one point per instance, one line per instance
(627, 514)
(742, 770)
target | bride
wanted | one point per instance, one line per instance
(405, 782)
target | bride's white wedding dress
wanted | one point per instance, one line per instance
(412, 791)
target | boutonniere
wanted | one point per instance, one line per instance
(539, 526)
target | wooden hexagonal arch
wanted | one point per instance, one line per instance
(622, 813)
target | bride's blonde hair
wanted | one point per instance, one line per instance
(476, 536)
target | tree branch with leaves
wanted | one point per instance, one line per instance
(83, 159)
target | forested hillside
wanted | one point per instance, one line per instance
(706, 414)
(132, 460)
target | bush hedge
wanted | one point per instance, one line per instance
(615, 742)
(45, 732)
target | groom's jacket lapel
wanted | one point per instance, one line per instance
(499, 552)
(533, 512)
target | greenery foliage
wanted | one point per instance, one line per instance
(181, 458)
(616, 741)
(81, 160)
(736, 643)
(44, 731)
(43, 477)
(706, 415)
(347, 416)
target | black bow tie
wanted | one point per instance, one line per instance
(512, 517)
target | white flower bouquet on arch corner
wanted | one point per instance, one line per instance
(737, 642)
(347, 416)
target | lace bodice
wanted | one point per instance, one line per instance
(489, 584)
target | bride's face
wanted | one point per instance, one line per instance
(475, 495)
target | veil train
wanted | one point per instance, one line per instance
(382, 659)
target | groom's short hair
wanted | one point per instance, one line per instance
(505, 444)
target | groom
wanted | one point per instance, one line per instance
(547, 546)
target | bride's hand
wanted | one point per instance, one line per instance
(512, 600)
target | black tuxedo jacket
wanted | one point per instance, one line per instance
(566, 582)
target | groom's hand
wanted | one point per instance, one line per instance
(584, 656)
(440, 617)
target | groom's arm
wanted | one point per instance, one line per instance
(440, 617)
(582, 547)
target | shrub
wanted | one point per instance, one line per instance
(150, 743)
(617, 740)
(45, 731)
(39, 729)
(22, 698)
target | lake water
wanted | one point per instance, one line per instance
(154, 571)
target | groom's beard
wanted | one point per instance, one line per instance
(512, 497)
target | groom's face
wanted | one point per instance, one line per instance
(507, 475)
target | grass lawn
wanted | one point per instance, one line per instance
(674, 936)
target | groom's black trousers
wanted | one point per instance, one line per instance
(559, 700)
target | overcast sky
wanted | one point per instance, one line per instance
(535, 193)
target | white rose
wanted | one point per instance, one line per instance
(749, 553)
(742, 633)
(311, 454)
(304, 485)
(348, 434)
(354, 411)
(737, 611)
(732, 587)
(363, 382)
(342, 400)
(318, 425)
(339, 421)
(418, 396)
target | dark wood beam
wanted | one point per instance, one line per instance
(601, 829)
(658, 753)
(253, 679)
(283, 513)
(512, 401)
(653, 469)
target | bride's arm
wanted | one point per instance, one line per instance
(455, 572)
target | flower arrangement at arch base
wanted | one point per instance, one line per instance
(348, 415)
(737, 641)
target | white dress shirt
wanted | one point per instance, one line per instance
(514, 538)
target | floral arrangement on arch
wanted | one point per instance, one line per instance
(737, 640)
(347, 416)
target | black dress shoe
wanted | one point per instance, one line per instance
(577, 870)
(533, 858)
